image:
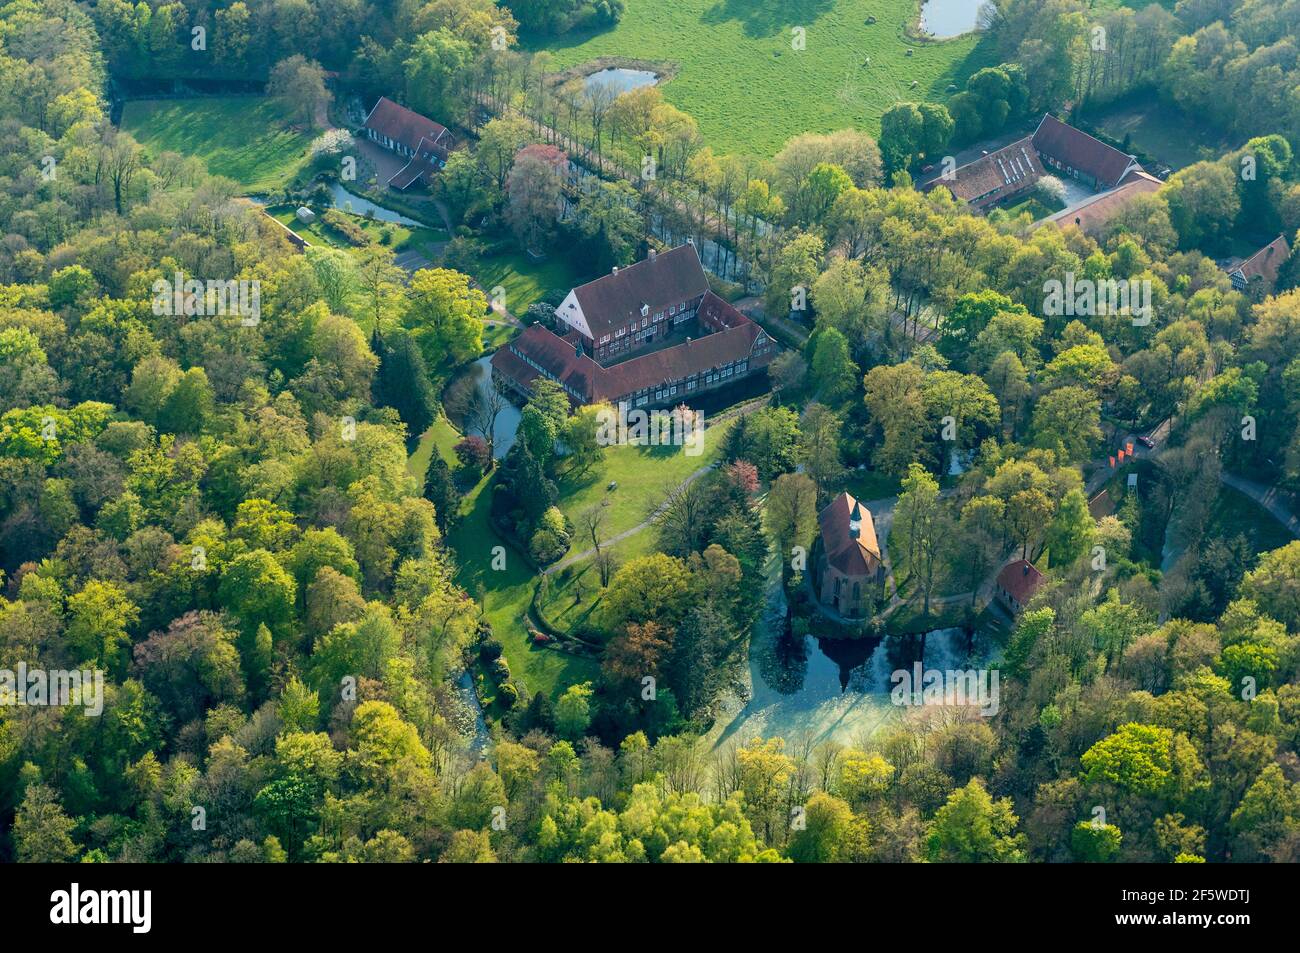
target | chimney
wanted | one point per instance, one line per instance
(653, 254)
(615, 271)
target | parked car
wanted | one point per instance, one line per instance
(1146, 442)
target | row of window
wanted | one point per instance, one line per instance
(545, 373)
(669, 390)
(649, 319)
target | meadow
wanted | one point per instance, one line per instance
(245, 138)
(735, 70)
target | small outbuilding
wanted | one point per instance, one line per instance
(1016, 585)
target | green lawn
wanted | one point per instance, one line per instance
(643, 474)
(525, 281)
(506, 595)
(1036, 208)
(495, 335)
(737, 74)
(441, 436)
(561, 607)
(400, 237)
(866, 485)
(244, 138)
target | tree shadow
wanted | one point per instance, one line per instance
(763, 18)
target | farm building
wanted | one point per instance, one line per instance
(1092, 216)
(1055, 148)
(1261, 269)
(1076, 154)
(998, 175)
(650, 334)
(422, 141)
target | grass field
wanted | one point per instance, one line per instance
(244, 138)
(737, 74)
(644, 475)
(1161, 131)
(442, 436)
(525, 281)
(506, 596)
(401, 238)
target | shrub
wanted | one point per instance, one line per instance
(508, 696)
(489, 650)
(344, 225)
(547, 545)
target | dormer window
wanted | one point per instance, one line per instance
(645, 309)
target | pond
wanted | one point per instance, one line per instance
(475, 382)
(803, 686)
(468, 716)
(347, 202)
(947, 18)
(622, 79)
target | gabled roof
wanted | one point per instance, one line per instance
(412, 172)
(1081, 151)
(853, 555)
(1265, 263)
(692, 357)
(563, 358)
(1012, 167)
(1020, 579)
(557, 357)
(407, 127)
(613, 300)
(1093, 214)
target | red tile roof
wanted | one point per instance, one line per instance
(589, 382)
(412, 172)
(1092, 216)
(407, 127)
(1081, 151)
(668, 278)
(1009, 169)
(1265, 263)
(852, 555)
(1020, 580)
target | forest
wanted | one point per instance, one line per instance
(208, 503)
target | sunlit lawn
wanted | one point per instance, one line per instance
(525, 281)
(506, 594)
(245, 138)
(643, 474)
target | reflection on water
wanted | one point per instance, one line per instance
(945, 18)
(808, 668)
(805, 687)
(479, 376)
(347, 202)
(621, 79)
